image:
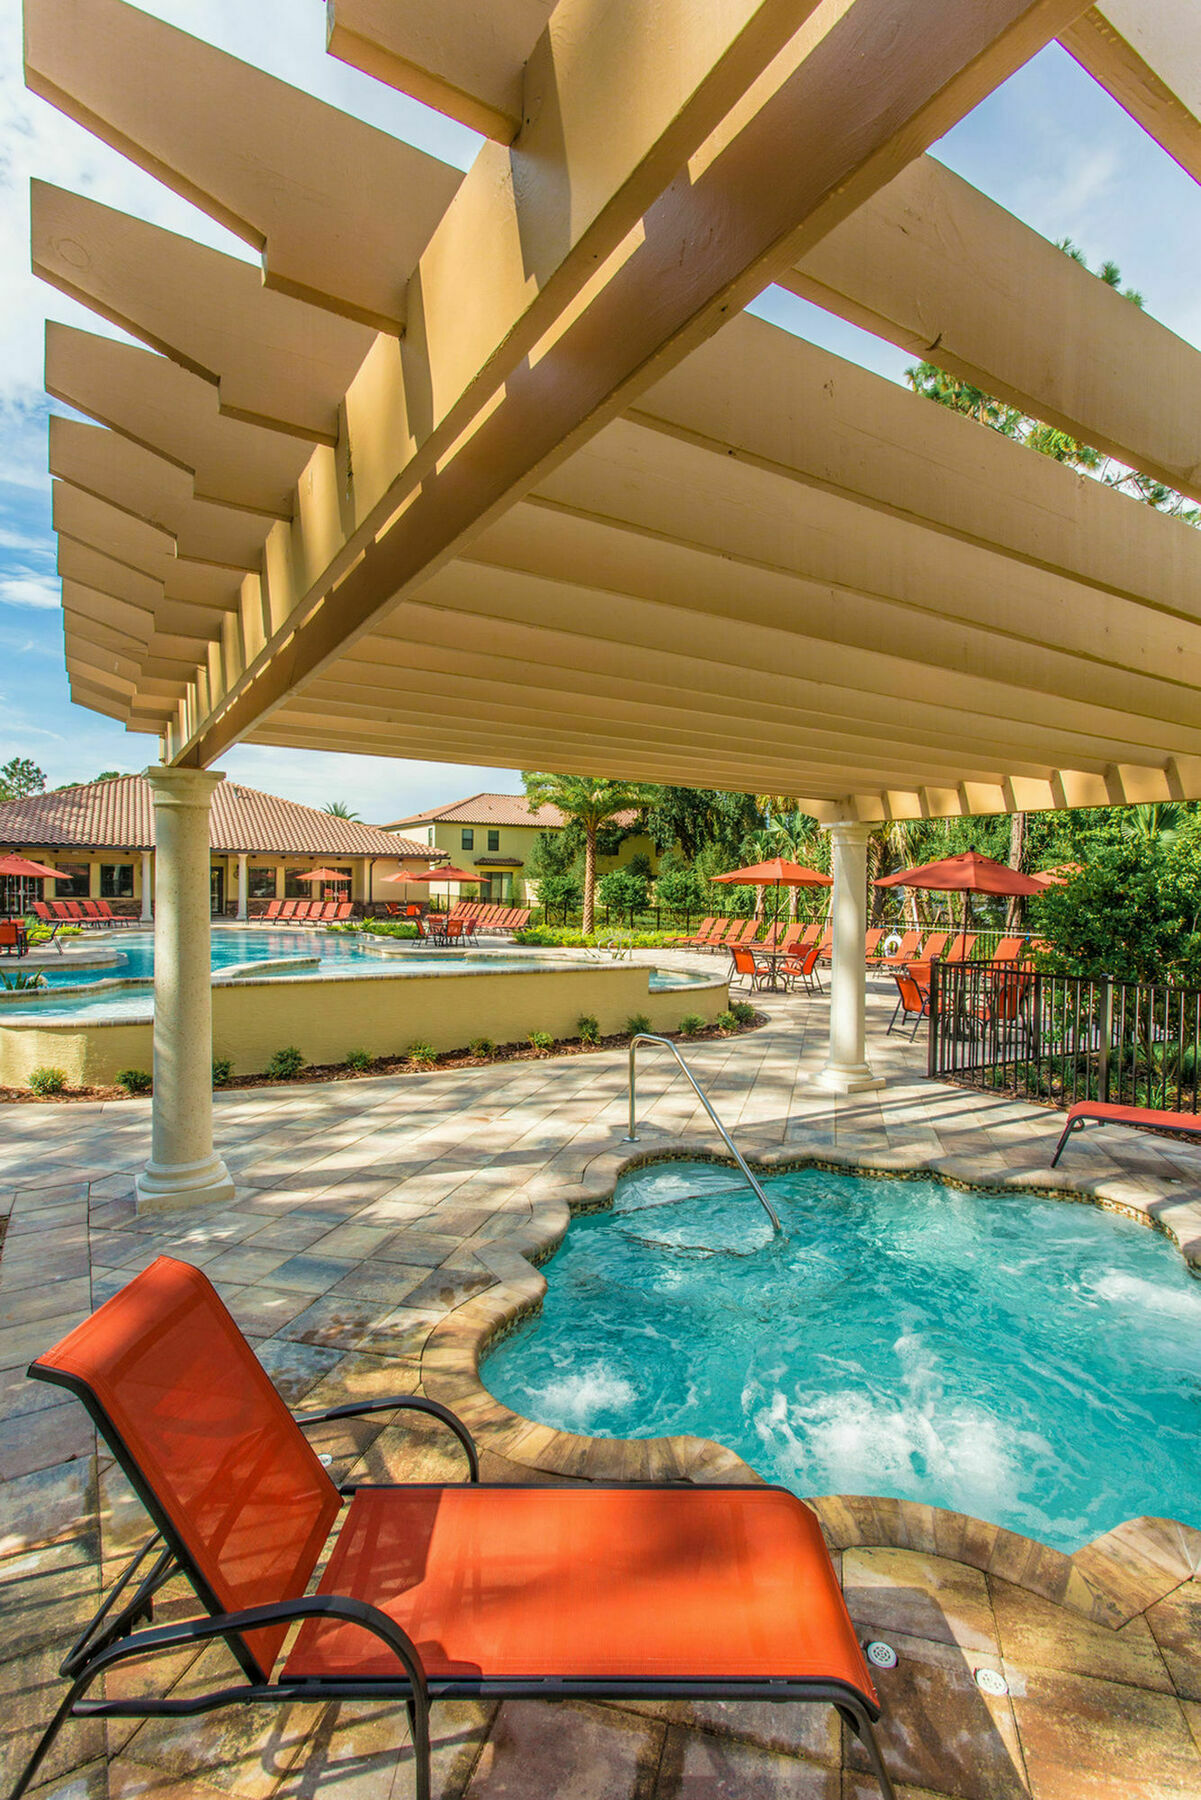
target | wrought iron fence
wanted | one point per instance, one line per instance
(1062, 1038)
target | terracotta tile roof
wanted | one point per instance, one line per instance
(119, 815)
(495, 809)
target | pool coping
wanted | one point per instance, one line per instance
(1109, 1580)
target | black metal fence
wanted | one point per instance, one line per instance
(1063, 1038)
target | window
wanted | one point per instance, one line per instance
(260, 883)
(76, 887)
(116, 881)
(467, 839)
(494, 840)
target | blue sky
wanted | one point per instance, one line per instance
(1050, 146)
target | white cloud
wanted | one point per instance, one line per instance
(40, 591)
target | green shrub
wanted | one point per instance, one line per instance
(637, 1022)
(690, 1024)
(588, 1028)
(726, 1021)
(541, 1041)
(44, 1082)
(24, 983)
(743, 1012)
(393, 928)
(359, 1060)
(223, 1068)
(286, 1062)
(623, 891)
(681, 889)
(134, 1081)
(422, 1056)
(566, 937)
(481, 1046)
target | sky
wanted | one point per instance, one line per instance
(1050, 145)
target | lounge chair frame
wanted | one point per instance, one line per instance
(112, 1636)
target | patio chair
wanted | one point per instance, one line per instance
(871, 943)
(13, 941)
(431, 1591)
(771, 937)
(913, 1001)
(44, 916)
(717, 937)
(802, 967)
(287, 910)
(744, 934)
(1009, 949)
(91, 909)
(522, 917)
(344, 910)
(273, 910)
(934, 945)
(746, 966)
(960, 950)
(106, 915)
(826, 947)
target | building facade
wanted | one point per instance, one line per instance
(495, 834)
(100, 836)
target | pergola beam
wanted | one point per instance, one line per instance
(339, 210)
(934, 266)
(871, 89)
(1148, 56)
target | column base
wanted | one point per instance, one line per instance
(169, 1187)
(853, 1078)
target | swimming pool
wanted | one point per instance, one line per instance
(338, 953)
(1024, 1360)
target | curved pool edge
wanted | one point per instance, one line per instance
(1109, 1580)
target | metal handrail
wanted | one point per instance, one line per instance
(646, 1037)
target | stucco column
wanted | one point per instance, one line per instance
(243, 886)
(147, 890)
(183, 1169)
(846, 1069)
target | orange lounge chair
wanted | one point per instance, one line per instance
(1140, 1118)
(871, 943)
(430, 1591)
(1009, 949)
(272, 911)
(744, 935)
(696, 937)
(905, 952)
(960, 950)
(934, 945)
(716, 939)
(344, 910)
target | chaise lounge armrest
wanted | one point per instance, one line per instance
(409, 1403)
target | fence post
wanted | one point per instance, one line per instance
(1106, 1037)
(932, 1032)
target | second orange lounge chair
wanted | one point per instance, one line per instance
(431, 1591)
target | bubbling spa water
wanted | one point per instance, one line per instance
(1029, 1361)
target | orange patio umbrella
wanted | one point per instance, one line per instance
(777, 873)
(1059, 876)
(324, 875)
(12, 864)
(967, 873)
(444, 874)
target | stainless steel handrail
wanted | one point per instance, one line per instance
(646, 1037)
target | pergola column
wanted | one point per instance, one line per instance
(243, 886)
(846, 1069)
(183, 1169)
(147, 913)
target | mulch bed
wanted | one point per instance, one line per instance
(384, 1065)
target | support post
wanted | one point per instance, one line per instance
(183, 1170)
(846, 1069)
(243, 887)
(147, 913)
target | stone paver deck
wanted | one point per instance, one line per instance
(377, 1239)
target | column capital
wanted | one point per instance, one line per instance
(849, 831)
(182, 787)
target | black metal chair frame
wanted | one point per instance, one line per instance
(112, 1637)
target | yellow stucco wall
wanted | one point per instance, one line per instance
(516, 841)
(326, 1017)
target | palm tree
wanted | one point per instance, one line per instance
(589, 803)
(338, 809)
(1157, 822)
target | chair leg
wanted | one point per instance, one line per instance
(48, 1736)
(1071, 1126)
(419, 1730)
(856, 1717)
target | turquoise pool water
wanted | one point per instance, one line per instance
(337, 953)
(1032, 1362)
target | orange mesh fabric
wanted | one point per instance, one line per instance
(683, 1583)
(230, 1467)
